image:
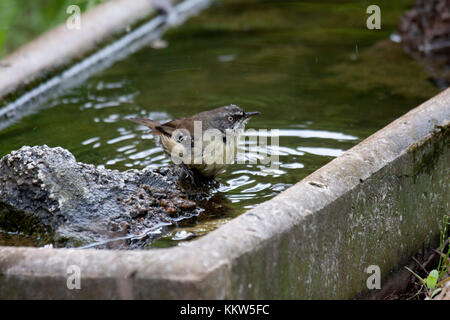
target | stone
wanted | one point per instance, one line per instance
(425, 33)
(45, 192)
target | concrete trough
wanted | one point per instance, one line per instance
(378, 204)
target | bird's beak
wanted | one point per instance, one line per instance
(250, 114)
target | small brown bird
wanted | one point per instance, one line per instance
(205, 142)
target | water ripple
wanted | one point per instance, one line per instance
(246, 181)
(300, 133)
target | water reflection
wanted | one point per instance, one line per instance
(304, 134)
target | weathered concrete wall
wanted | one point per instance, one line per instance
(377, 204)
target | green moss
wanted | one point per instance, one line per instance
(68, 242)
(425, 158)
(8, 239)
(12, 220)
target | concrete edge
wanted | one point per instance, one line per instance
(60, 47)
(42, 80)
(249, 250)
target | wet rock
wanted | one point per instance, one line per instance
(46, 192)
(425, 33)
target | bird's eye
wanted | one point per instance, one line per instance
(230, 118)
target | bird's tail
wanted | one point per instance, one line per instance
(148, 123)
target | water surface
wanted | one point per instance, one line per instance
(312, 69)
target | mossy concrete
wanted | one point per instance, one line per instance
(377, 204)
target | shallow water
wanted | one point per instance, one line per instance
(310, 67)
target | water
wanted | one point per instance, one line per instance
(310, 67)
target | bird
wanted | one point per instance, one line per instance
(204, 143)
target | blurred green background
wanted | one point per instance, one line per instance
(23, 20)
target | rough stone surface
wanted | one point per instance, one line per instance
(45, 191)
(425, 32)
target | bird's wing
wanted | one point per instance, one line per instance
(169, 127)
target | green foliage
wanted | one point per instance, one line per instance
(444, 259)
(432, 279)
(437, 278)
(23, 20)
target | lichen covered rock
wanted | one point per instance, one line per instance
(46, 192)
